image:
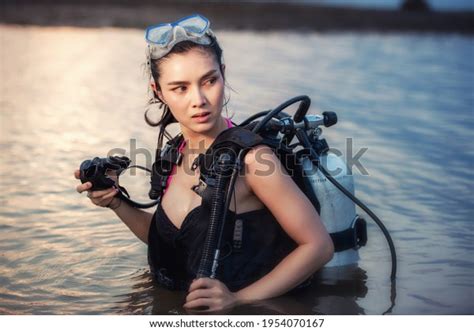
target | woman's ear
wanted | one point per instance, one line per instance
(153, 87)
(223, 69)
(160, 96)
(157, 92)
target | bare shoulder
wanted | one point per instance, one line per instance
(262, 164)
(259, 156)
(267, 178)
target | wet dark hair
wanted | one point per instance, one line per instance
(180, 48)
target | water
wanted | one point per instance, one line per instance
(68, 94)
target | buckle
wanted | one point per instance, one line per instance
(359, 227)
(199, 188)
(195, 163)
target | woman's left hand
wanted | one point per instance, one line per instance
(210, 293)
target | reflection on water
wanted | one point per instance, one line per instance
(68, 94)
(335, 293)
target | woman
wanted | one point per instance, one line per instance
(187, 77)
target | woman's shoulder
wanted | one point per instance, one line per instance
(257, 154)
(261, 161)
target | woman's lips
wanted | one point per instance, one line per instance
(202, 117)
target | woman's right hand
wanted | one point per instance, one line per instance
(102, 198)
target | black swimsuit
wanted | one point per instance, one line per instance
(253, 244)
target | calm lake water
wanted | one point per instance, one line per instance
(68, 94)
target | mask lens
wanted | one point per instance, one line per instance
(195, 24)
(159, 35)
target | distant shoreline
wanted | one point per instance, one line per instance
(232, 16)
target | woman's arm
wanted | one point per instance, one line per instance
(136, 220)
(268, 180)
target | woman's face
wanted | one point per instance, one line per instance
(191, 84)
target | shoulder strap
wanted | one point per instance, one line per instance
(232, 140)
(219, 168)
(162, 168)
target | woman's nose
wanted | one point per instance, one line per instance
(199, 99)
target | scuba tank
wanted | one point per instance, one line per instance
(332, 196)
(337, 211)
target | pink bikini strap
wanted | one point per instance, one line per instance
(229, 122)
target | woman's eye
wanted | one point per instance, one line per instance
(212, 81)
(180, 89)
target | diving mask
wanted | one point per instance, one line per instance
(162, 37)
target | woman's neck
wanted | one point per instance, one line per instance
(200, 142)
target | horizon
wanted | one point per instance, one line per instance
(442, 5)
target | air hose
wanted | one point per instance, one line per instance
(123, 194)
(306, 143)
(370, 213)
(210, 253)
(228, 196)
(304, 100)
(303, 138)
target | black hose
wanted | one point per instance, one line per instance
(137, 204)
(303, 138)
(228, 197)
(210, 248)
(123, 193)
(261, 114)
(301, 112)
(393, 296)
(305, 101)
(254, 117)
(370, 213)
